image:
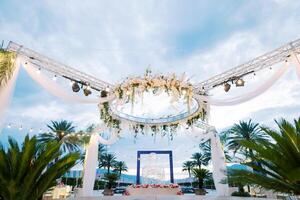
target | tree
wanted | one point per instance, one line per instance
(24, 171)
(199, 159)
(200, 174)
(205, 148)
(107, 161)
(279, 159)
(111, 179)
(188, 166)
(119, 167)
(244, 131)
(61, 131)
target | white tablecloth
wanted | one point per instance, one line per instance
(61, 191)
(152, 191)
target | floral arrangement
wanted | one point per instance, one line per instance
(174, 86)
(127, 91)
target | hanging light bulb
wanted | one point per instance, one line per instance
(20, 128)
(87, 91)
(127, 92)
(75, 87)
(38, 71)
(54, 78)
(227, 87)
(9, 126)
(40, 131)
(30, 130)
(239, 82)
(107, 89)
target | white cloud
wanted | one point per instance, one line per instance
(112, 40)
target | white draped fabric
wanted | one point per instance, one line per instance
(248, 96)
(6, 92)
(55, 89)
(91, 158)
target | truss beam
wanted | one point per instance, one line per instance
(57, 68)
(271, 58)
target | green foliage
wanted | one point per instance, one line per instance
(188, 166)
(278, 158)
(240, 194)
(119, 167)
(25, 173)
(61, 131)
(111, 179)
(107, 160)
(200, 174)
(199, 159)
(7, 66)
(244, 131)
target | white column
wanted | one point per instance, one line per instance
(218, 164)
(90, 166)
(91, 159)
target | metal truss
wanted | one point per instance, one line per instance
(57, 68)
(271, 58)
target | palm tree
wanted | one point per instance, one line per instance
(61, 131)
(279, 159)
(188, 166)
(24, 171)
(201, 174)
(107, 161)
(205, 148)
(199, 159)
(119, 167)
(244, 131)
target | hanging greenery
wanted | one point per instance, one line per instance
(7, 61)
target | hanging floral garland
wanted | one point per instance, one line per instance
(7, 64)
(175, 87)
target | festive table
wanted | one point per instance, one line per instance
(146, 190)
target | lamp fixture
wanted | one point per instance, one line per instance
(239, 82)
(75, 87)
(87, 91)
(227, 87)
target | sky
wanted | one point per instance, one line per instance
(114, 39)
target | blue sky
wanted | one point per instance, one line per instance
(114, 39)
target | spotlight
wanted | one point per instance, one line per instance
(86, 91)
(239, 82)
(103, 94)
(75, 87)
(227, 87)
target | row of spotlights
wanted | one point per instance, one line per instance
(238, 83)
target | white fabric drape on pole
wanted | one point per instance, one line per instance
(248, 96)
(57, 90)
(91, 159)
(6, 92)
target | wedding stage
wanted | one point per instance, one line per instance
(148, 190)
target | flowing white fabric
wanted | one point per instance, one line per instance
(91, 159)
(6, 92)
(57, 90)
(217, 158)
(246, 97)
(296, 62)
